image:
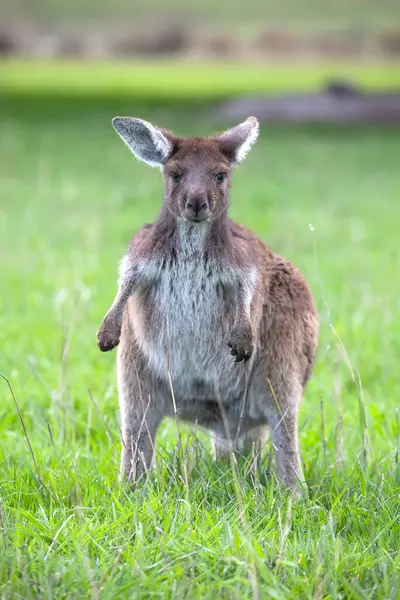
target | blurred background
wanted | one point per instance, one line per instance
(208, 51)
(238, 30)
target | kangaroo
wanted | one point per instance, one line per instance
(210, 322)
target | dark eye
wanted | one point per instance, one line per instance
(220, 177)
(176, 177)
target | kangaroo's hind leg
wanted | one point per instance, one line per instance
(140, 407)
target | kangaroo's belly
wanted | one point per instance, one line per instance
(182, 324)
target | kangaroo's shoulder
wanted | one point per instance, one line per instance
(152, 240)
(288, 288)
(249, 246)
(240, 232)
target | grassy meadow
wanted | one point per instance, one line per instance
(71, 196)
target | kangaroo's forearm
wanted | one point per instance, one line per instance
(128, 281)
(241, 339)
(125, 290)
(243, 303)
(110, 330)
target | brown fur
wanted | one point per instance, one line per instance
(193, 293)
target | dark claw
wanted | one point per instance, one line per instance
(241, 356)
(107, 345)
(106, 348)
(239, 353)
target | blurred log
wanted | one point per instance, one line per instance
(339, 102)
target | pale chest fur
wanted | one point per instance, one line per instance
(184, 318)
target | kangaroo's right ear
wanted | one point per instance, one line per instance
(146, 142)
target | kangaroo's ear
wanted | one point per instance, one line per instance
(236, 142)
(147, 142)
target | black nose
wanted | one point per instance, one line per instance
(197, 205)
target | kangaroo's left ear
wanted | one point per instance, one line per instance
(237, 142)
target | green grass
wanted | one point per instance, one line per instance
(71, 197)
(184, 81)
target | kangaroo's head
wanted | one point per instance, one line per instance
(197, 171)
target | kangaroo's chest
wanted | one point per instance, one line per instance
(189, 307)
(186, 316)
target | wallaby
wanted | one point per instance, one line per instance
(210, 322)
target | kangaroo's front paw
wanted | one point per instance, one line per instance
(241, 344)
(108, 336)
